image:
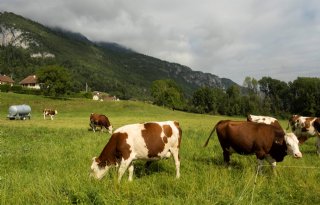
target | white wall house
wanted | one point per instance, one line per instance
(30, 82)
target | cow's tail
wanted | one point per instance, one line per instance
(214, 129)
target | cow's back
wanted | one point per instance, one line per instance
(94, 117)
(151, 140)
(264, 119)
(100, 119)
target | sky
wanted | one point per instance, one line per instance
(233, 39)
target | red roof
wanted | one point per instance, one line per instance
(6, 79)
(31, 79)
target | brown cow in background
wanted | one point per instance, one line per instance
(305, 127)
(99, 120)
(49, 112)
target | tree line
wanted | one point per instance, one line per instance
(266, 96)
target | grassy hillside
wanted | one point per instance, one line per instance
(105, 67)
(47, 162)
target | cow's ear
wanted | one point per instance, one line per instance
(96, 159)
(279, 137)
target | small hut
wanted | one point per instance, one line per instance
(30, 82)
(6, 80)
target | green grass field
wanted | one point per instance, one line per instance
(48, 162)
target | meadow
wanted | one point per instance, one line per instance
(48, 161)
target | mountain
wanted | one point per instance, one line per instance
(104, 66)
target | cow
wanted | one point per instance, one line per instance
(265, 141)
(146, 141)
(49, 112)
(99, 120)
(264, 119)
(304, 128)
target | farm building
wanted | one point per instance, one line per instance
(103, 96)
(6, 80)
(30, 82)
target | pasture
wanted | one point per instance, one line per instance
(48, 161)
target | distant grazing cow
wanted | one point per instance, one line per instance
(305, 127)
(147, 141)
(49, 112)
(264, 119)
(265, 141)
(98, 120)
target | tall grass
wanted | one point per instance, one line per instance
(47, 162)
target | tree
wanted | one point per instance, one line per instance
(208, 100)
(167, 93)
(250, 103)
(251, 84)
(276, 91)
(233, 102)
(54, 80)
(305, 96)
(202, 100)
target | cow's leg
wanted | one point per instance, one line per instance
(226, 157)
(44, 116)
(272, 162)
(260, 164)
(93, 126)
(51, 117)
(123, 167)
(175, 153)
(318, 145)
(131, 168)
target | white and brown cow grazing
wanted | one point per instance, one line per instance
(49, 112)
(147, 141)
(99, 120)
(264, 119)
(305, 127)
(265, 141)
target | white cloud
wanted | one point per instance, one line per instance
(231, 39)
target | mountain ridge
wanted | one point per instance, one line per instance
(105, 66)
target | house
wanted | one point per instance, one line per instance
(6, 80)
(30, 82)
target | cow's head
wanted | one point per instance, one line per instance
(292, 143)
(110, 129)
(98, 168)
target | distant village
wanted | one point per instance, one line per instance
(32, 83)
(28, 82)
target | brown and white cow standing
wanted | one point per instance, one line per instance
(147, 141)
(49, 112)
(99, 120)
(265, 141)
(264, 119)
(305, 127)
